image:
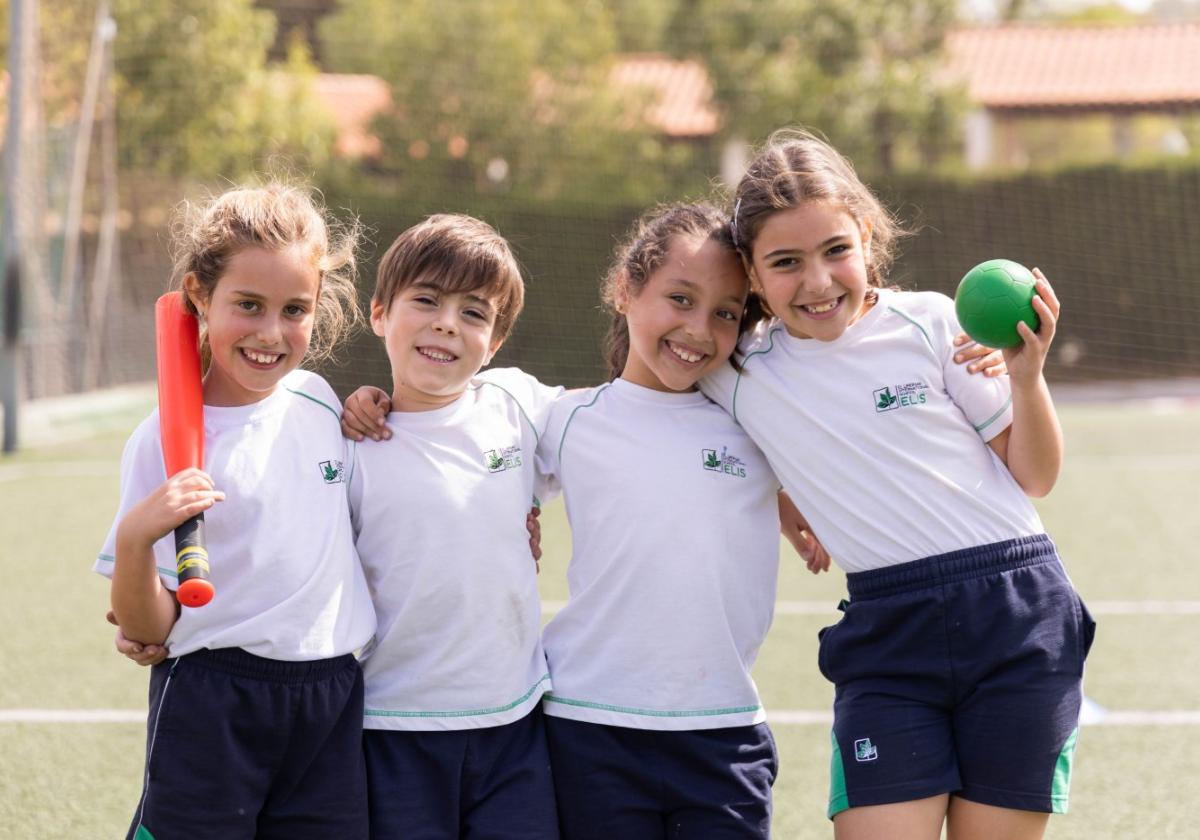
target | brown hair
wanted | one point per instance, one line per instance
(275, 216)
(643, 252)
(455, 253)
(796, 167)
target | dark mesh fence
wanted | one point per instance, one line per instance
(1116, 244)
(1120, 247)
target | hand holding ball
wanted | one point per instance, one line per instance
(992, 298)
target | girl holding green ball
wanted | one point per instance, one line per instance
(959, 660)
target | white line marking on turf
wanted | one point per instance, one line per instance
(798, 717)
(1118, 717)
(71, 716)
(66, 469)
(1165, 461)
(776, 717)
(1095, 607)
(1144, 607)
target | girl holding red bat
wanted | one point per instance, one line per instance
(255, 721)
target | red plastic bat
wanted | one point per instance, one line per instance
(181, 424)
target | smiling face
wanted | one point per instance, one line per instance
(810, 267)
(436, 341)
(683, 322)
(258, 321)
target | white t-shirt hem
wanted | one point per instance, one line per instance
(652, 719)
(449, 721)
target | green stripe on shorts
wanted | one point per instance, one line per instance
(1061, 786)
(838, 801)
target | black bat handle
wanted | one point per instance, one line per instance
(191, 563)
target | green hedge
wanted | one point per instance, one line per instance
(1122, 248)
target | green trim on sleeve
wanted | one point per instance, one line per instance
(494, 710)
(995, 416)
(108, 558)
(551, 697)
(571, 418)
(1060, 787)
(351, 456)
(744, 362)
(915, 323)
(319, 402)
(839, 800)
(520, 407)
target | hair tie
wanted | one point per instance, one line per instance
(733, 224)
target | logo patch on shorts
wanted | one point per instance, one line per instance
(864, 750)
(332, 472)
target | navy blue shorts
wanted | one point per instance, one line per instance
(489, 783)
(701, 784)
(959, 673)
(239, 746)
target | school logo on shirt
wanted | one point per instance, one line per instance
(724, 463)
(899, 396)
(332, 472)
(864, 750)
(499, 460)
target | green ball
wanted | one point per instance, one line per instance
(992, 298)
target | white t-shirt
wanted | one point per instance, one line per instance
(675, 533)
(439, 515)
(288, 582)
(879, 436)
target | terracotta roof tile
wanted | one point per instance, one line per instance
(683, 106)
(1027, 66)
(353, 101)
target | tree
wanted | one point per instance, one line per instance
(639, 24)
(66, 30)
(498, 96)
(1100, 13)
(196, 95)
(865, 74)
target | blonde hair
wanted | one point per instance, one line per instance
(454, 253)
(277, 217)
(643, 252)
(796, 167)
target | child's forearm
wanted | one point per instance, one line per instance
(1035, 445)
(144, 608)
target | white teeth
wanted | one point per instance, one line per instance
(436, 355)
(817, 309)
(686, 355)
(261, 358)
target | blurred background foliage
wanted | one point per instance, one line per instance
(559, 121)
